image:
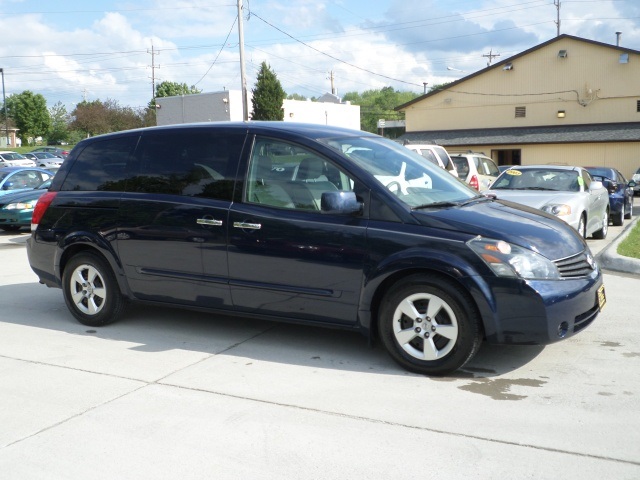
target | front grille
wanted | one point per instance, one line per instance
(580, 265)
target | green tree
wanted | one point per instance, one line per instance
(30, 114)
(438, 86)
(172, 89)
(268, 95)
(296, 96)
(96, 117)
(378, 104)
(59, 131)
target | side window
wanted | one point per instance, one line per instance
(291, 176)
(586, 178)
(490, 167)
(429, 155)
(195, 164)
(102, 165)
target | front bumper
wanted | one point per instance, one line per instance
(543, 312)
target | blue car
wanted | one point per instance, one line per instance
(620, 192)
(308, 224)
(17, 179)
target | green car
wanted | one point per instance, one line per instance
(16, 209)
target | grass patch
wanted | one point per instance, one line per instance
(630, 246)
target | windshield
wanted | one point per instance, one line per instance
(412, 178)
(13, 156)
(539, 179)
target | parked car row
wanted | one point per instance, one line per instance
(533, 187)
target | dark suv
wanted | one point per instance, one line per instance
(308, 224)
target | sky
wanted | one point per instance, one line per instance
(75, 50)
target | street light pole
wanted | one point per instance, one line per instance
(4, 103)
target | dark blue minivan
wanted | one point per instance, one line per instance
(308, 224)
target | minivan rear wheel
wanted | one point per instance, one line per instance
(429, 325)
(91, 291)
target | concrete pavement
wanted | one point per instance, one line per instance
(172, 394)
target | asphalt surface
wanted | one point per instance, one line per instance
(171, 394)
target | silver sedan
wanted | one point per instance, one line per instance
(569, 193)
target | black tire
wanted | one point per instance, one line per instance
(630, 214)
(10, 228)
(617, 219)
(91, 290)
(602, 233)
(582, 226)
(439, 308)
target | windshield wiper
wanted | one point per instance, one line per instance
(449, 203)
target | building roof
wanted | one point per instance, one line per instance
(590, 133)
(509, 60)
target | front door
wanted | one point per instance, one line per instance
(286, 258)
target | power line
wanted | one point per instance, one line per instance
(331, 56)
(219, 52)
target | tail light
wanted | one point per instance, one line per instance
(43, 203)
(474, 182)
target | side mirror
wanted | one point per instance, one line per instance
(632, 184)
(595, 185)
(340, 203)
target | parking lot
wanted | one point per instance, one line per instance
(169, 394)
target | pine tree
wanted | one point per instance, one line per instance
(268, 96)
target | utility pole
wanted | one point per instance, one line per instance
(153, 75)
(4, 102)
(243, 76)
(490, 56)
(557, 22)
(333, 87)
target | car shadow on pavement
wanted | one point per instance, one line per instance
(154, 329)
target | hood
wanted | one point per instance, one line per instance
(22, 196)
(511, 222)
(533, 198)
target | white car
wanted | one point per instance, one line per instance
(636, 178)
(13, 159)
(476, 169)
(569, 193)
(436, 155)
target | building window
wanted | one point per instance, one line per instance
(638, 106)
(521, 112)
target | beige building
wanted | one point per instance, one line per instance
(569, 100)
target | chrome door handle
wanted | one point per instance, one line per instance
(250, 226)
(209, 222)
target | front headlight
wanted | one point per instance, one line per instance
(559, 210)
(508, 260)
(20, 206)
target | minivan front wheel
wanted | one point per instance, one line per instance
(91, 291)
(429, 326)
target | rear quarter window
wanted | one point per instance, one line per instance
(101, 165)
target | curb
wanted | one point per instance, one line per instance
(609, 259)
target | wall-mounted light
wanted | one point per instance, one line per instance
(562, 54)
(508, 66)
(225, 100)
(561, 114)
